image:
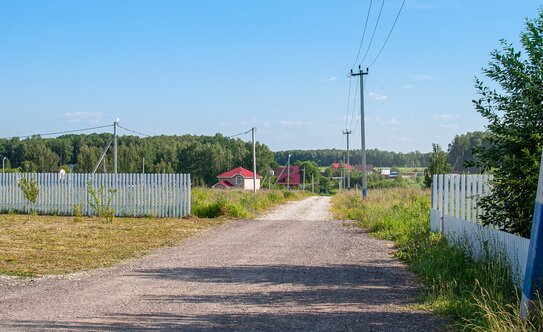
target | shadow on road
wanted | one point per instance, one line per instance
(314, 298)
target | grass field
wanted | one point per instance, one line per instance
(37, 245)
(33, 245)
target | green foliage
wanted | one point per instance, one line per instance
(438, 165)
(514, 110)
(101, 202)
(30, 189)
(479, 296)
(211, 203)
(203, 156)
(460, 151)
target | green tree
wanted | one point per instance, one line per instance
(460, 151)
(438, 164)
(514, 110)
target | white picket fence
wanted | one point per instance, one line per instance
(456, 214)
(137, 195)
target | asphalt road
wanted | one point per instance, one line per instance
(293, 270)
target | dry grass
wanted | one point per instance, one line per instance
(38, 245)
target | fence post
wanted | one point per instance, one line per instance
(533, 278)
(434, 191)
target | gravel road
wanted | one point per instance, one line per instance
(293, 269)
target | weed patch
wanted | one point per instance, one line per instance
(210, 203)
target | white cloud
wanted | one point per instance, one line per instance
(295, 124)
(377, 96)
(388, 121)
(329, 79)
(449, 126)
(83, 117)
(445, 116)
(424, 77)
(402, 139)
(407, 86)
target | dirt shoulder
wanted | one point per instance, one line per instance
(276, 273)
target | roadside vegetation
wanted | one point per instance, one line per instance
(32, 245)
(210, 203)
(478, 296)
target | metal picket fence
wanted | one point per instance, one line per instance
(136, 195)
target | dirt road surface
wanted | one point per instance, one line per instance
(294, 269)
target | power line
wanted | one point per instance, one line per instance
(59, 133)
(243, 133)
(363, 34)
(388, 36)
(374, 30)
(133, 131)
(354, 106)
(348, 102)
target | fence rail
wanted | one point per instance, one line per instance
(137, 195)
(456, 214)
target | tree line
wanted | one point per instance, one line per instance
(204, 157)
(325, 157)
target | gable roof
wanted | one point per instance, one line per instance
(337, 166)
(237, 171)
(283, 172)
(224, 183)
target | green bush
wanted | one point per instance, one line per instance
(211, 203)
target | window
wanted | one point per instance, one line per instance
(239, 180)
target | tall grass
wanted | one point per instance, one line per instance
(479, 296)
(212, 203)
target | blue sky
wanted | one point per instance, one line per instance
(205, 67)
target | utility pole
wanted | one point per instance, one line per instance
(361, 73)
(143, 165)
(288, 173)
(115, 124)
(303, 170)
(312, 183)
(348, 132)
(254, 158)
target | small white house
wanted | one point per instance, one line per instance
(237, 178)
(385, 171)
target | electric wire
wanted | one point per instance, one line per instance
(348, 102)
(388, 36)
(243, 133)
(133, 131)
(354, 105)
(363, 35)
(59, 132)
(374, 30)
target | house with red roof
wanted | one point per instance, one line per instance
(283, 178)
(237, 178)
(335, 167)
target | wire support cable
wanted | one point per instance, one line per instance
(388, 36)
(243, 133)
(59, 132)
(133, 131)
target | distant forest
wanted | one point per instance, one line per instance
(326, 157)
(204, 157)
